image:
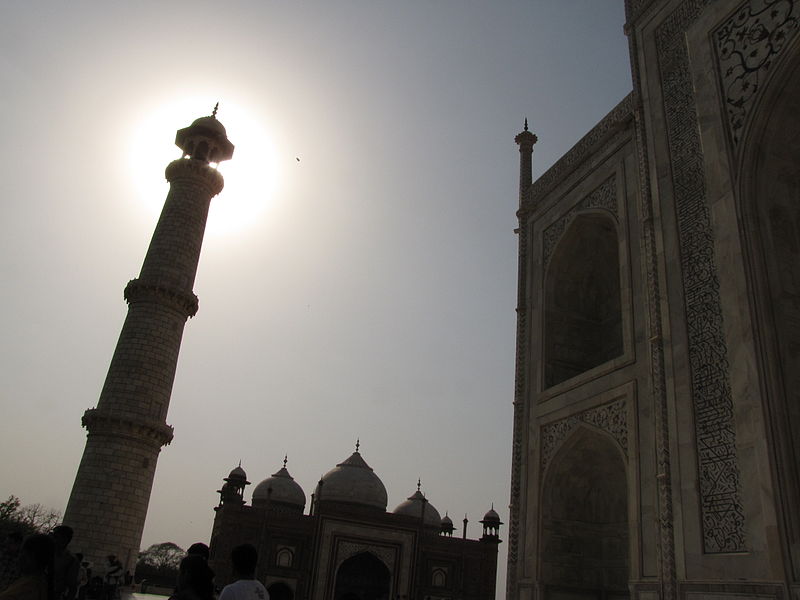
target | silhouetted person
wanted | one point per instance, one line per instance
(66, 566)
(113, 577)
(83, 576)
(199, 549)
(245, 587)
(9, 559)
(36, 568)
(195, 580)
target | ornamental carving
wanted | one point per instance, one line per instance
(185, 303)
(98, 421)
(347, 550)
(747, 46)
(604, 197)
(722, 513)
(611, 418)
(196, 171)
(634, 8)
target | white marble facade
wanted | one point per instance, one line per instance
(655, 450)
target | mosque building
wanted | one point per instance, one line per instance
(348, 546)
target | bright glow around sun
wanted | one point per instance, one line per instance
(250, 176)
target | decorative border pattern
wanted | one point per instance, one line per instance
(722, 513)
(611, 418)
(747, 45)
(604, 196)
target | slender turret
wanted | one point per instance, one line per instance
(108, 504)
(525, 140)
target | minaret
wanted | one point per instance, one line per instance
(525, 140)
(108, 504)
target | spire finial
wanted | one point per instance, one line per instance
(285, 458)
(240, 463)
(216, 108)
(419, 483)
(358, 444)
(526, 121)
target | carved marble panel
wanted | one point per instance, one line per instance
(347, 550)
(604, 197)
(611, 418)
(722, 513)
(748, 45)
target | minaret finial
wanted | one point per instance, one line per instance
(240, 463)
(419, 483)
(285, 458)
(216, 108)
(358, 444)
(526, 121)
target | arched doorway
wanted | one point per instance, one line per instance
(280, 591)
(769, 211)
(583, 313)
(584, 547)
(362, 577)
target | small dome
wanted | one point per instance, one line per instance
(353, 481)
(447, 521)
(212, 124)
(413, 508)
(491, 516)
(279, 487)
(238, 473)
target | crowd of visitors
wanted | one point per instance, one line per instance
(40, 567)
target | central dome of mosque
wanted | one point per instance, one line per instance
(281, 488)
(353, 481)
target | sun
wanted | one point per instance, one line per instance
(251, 176)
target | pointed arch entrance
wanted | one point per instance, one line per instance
(362, 577)
(280, 591)
(584, 550)
(583, 313)
(769, 211)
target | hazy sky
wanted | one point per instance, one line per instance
(369, 289)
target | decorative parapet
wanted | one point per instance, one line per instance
(614, 122)
(635, 8)
(139, 291)
(97, 421)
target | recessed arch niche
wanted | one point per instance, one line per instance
(362, 577)
(280, 591)
(769, 212)
(584, 549)
(583, 312)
